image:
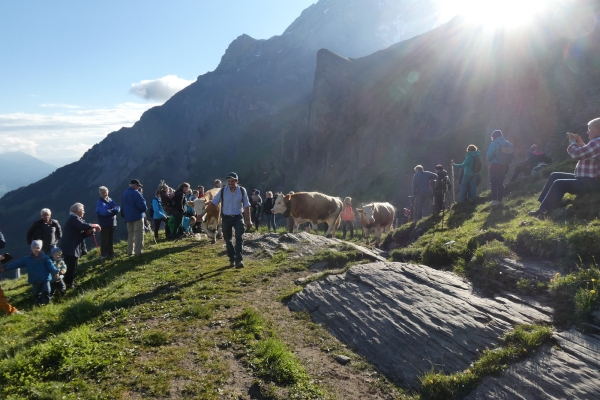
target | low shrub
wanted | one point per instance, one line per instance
(576, 294)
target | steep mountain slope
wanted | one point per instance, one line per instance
(19, 169)
(220, 122)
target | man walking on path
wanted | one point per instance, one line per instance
(235, 210)
(421, 189)
(499, 156)
(134, 207)
(586, 178)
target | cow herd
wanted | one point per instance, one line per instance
(316, 207)
(304, 207)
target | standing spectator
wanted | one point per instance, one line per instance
(586, 178)
(235, 210)
(469, 179)
(166, 196)
(190, 196)
(200, 192)
(218, 183)
(159, 214)
(256, 206)
(499, 156)
(40, 271)
(179, 206)
(421, 189)
(58, 284)
(267, 210)
(347, 215)
(442, 186)
(45, 229)
(134, 208)
(107, 211)
(4, 304)
(72, 243)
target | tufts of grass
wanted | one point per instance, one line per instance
(155, 338)
(575, 295)
(271, 359)
(407, 254)
(516, 345)
(59, 363)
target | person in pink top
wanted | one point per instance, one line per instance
(347, 215)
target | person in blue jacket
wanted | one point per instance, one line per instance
(421, 190)
(498, 167)
(134, 209)
(469, 180)
(107, 211)
(159, 214)
(40, 271)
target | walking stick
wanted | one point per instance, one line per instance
(453, 184)
(98, 248)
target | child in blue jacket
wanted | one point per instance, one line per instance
(40, 271)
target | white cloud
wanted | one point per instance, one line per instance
(59, 105)
(63, 137)
(159, 89)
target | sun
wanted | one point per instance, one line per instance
(496, 13)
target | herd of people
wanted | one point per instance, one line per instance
(55, 250)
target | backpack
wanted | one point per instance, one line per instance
(476, 167)
(504, 154)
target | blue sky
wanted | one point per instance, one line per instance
(68, 67)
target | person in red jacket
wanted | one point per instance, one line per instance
(347, 215)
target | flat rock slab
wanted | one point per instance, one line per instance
(569, 372)
(406, 318)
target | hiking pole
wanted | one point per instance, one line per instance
(97, 247)
(453, 183)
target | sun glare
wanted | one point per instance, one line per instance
(497, 13)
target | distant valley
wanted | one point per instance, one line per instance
(18, 169)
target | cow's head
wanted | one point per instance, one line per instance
(282, 203)
(368, 212)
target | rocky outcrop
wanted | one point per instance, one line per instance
(406, 319)
(570, 370)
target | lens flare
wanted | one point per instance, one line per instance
(496, 13)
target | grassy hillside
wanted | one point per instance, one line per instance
(178, 322)
(475, 239)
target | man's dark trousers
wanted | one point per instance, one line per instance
(559, 183)
(229, 223)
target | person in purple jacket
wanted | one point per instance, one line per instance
(107, 211)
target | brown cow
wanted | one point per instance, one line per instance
(376, 217)
(212, 224)
(311, 207)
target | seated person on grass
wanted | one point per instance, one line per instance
(40, 272)
(586, 178)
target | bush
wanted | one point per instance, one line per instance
(576, 292)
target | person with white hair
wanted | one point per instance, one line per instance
(107, 211)
(584, 180)
(72, 243)
(46, 229)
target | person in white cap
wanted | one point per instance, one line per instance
(40, 271)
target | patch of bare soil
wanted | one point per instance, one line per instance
(311, 343)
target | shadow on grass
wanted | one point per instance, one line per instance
(82, 310)
(461, 212)
(498, 215)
